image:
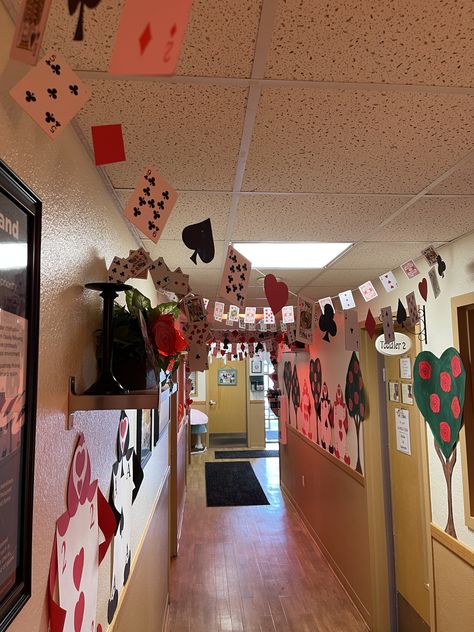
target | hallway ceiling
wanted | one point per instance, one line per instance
(301, 120)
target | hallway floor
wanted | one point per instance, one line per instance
(252, 568)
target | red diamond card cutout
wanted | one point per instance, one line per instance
(108, 144)
(370, 324)
(145, 38)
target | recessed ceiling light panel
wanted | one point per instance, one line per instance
(291, 254)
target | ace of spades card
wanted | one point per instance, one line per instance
(235, 277)
(51, 93)
(150, 205)
(83, 535)
(387, 322)
(352, 331)
(412, 309)
(127, 477)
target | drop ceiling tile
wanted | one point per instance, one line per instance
(308, 140)
(316, 292)
(461, 181)
(387, 255)
(347, 277)
(190, 133)
(311, 217)
(435, 219)
(176, 254)
(219, 40)
(191, 208)
(203, 275)
(401, 42)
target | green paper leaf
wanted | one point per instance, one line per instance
(439, 388)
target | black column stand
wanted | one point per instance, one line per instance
(107, 384)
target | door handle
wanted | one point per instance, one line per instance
(212, 402)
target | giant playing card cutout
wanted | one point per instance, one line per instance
(83, 534)
(127, 477)
(439, 386)
(235, 277)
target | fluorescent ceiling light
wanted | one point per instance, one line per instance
(286, 255)
(13, 256)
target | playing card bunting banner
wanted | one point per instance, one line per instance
(439, 388)
(235, 277)
(88, 521)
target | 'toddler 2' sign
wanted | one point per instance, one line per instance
(399, 346)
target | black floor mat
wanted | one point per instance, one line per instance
(245, 454)
(233, 485)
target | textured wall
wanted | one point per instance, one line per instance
(81, 229)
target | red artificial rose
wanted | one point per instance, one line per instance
(455, 407)
(435, 403)
(445, 381)
(445, 431)
(456, 366)
(424, 369)
(168, 340)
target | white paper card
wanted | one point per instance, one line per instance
(250, 313)
(288, 314)
(347, 299)
(405, 368)
(402, 426)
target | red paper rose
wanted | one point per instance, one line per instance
(435, 403)
(445, 431)
(445, 381)
(455, 407)
(424, 369)
(168, 340)
(456, 366)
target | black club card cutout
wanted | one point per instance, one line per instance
(198, 237)
(112, 606)
(441, 266)
(73, 5)
(401, 313)
(327, 323)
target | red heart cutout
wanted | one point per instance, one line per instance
(423, 288)
(123, 427)
(77, 569)
(276, 293)
(80, 461)
(79, 612)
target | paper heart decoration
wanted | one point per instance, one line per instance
(276, 293)
(77, 569)
(79, 613)
(439, 386)
(423, 288)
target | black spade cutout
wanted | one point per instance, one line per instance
(73, 5)
(441, 266)
(226, 343)
(401, 313)
(259, 347)
(327, 323)
(198, 237)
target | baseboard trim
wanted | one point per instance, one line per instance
(346, 585)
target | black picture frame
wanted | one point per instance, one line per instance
(144, 443)
(20, 226)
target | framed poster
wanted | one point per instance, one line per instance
(394, 391)
(407, 393)
(144, 435)
(20, 232)
(256, 366)
(227, 377)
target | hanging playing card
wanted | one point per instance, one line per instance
(218, 311)
(30, 27)
(119, 271)
(430, 255)
(108, 144)
(291, 335)
(177, 282)
(368, 291)
(159, 272)
(326, 301)
(347, 299)
(288, 314)
(304, 320)
(250, 313)
(389, 281)
(151, 204)
(410, 269)
(149, 37)
(235, 277)
(194, 309)
(434, 282)
(387, 322)
(138, 260)
(51, 93)
(233, 315)
(242, 322)
(412, 309)
(268, 316)
(352, 332)
(198, 237)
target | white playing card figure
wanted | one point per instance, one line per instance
(233, 314)
(430, 255)
(352, 331)
(304, 320)
(218, 311)
(326, 301)
(51, 93)
(368, 291)
(387, 322)
(288, 314)
(150, 205)
(250, 314)
(347, 299)
(412, 309)
(268, 316)
(235, 277)
(83, 535)
(127, 477)
(389, 281)
(434, 282)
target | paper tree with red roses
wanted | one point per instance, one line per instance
(355, 400)
(439, 386)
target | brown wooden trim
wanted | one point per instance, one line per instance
(346, 585)
(455, 546)
(340, 464)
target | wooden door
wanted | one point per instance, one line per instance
(410, 503)
(227, 404)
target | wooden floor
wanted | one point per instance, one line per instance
(252, 568)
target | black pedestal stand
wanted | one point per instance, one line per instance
(107, 384)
